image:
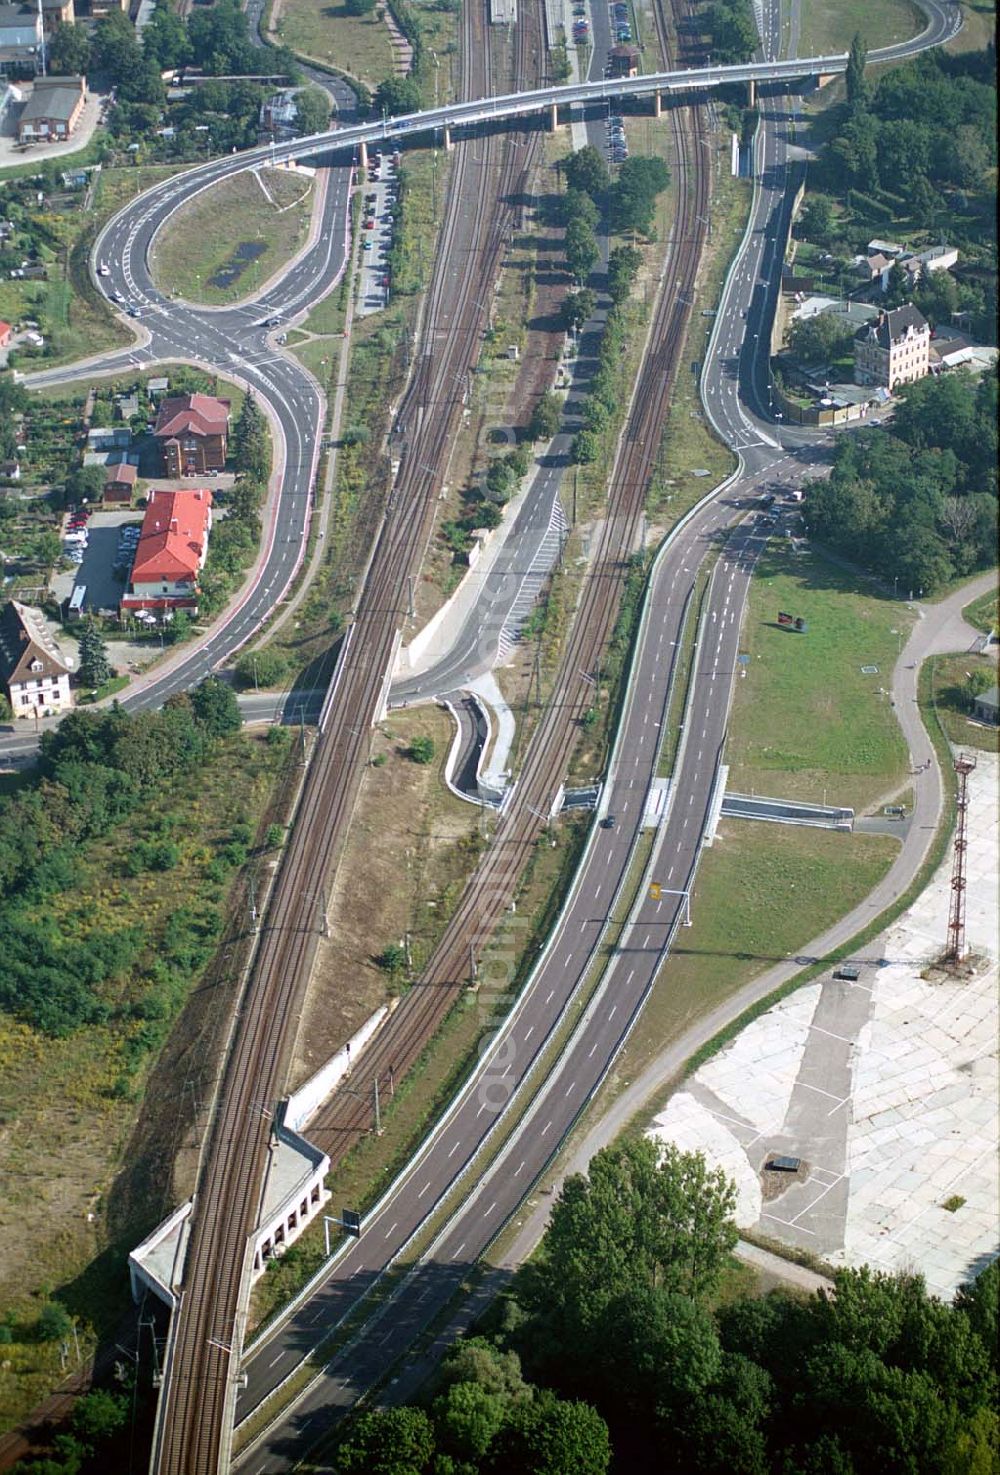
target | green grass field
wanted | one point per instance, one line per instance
(806, 722)
(194, 257)
(762, 892)
(829, 25)
(355, 44)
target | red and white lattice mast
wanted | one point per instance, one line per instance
(955, 953)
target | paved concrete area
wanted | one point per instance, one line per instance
(96, 572)
(885, 1088)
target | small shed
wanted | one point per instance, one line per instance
(119, 488)
(986, 707)
(624, 61)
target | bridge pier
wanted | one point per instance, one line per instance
(363, 155)
(825, 77)
(657, 104)
(447, 138)
(554, 118)
(751, 93)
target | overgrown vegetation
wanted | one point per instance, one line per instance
(96, 769)
(913, 156)
(633, 1359)
(917, 504)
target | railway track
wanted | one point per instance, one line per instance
(491, 889)
(198, 1393)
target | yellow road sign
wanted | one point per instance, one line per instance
(655, 890)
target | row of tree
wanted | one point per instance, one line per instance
(631, 1358)
(629, 202)
(917, 504)
(732, 30)
(95, 770)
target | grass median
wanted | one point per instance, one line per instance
(226, 242)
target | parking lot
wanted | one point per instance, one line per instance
(378, 203)
(101, 568)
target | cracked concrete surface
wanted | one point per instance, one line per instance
(884, 1088)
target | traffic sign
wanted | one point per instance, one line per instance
(351, 1221)
(655, 891)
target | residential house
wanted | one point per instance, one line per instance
(10, 470)
(21, 39)
(56, 13)
(172, 549)
(885, 248)
(126, 405)
(192, 430)
(6, 332)
(53, 110)
(279, 117)
(157, 387)
(892, 349)
(33, 672)
(119, 485)
(874, 267)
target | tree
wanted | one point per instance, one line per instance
(545, 417)
(857, 88)
(215, 707)
(577, 308)
(53, 1322)
(115, 49)
(165, 39)
(395, 1441)
(576, 204)
(816, 222)
(99, 1414)
(69, 51)
(632, 199)
(251, 448)
(979, 1303)
(820, 339)
(268, 667)
(585, 448)
(467, 1418)
(645, 1215)
(95, 668)
(422, 750)
(359, 7)
(397, 95)
(552, 1436)
(623, 267)
(975, 683)
(392, 959)
(733, 30)
(312, 110)
(581, 249)
(586, 170)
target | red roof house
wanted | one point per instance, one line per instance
(172, 549)
(192, 430)
(5, 331)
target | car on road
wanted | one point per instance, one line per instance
(133, 312)
(104, 269)
(608, 822)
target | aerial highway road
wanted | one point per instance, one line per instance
(600, 1035)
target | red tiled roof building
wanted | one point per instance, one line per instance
(171, 551)
(192, 430)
